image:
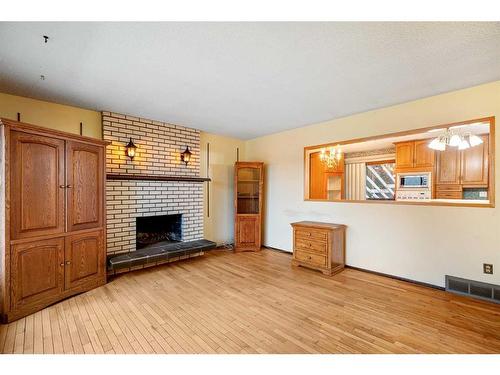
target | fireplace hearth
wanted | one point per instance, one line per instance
(152, 231)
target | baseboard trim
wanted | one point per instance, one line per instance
(276, 249)
(420, 283)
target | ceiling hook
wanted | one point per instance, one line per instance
(46, 38)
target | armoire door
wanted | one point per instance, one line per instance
(85, 185)
(36, 185)
(84, 259)
(248, 231)
(37, 272)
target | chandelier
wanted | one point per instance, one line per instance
(331, 157)
(455, 138)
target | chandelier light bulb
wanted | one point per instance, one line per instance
(463, 145)
(474, 140)
(436, 144)
(455, 140)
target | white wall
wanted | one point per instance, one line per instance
(219, 226)
(416, 242)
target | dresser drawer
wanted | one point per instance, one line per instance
(311, 245)
(314, 259)
(311, 234)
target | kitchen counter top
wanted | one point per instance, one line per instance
(475, 201)
(460, 201)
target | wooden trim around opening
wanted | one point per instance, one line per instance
(491, 169)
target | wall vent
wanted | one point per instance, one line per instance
(477, 289)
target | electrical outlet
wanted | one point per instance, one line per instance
(488, 268)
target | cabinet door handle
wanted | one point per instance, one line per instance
(62, 264)
(69, 186)
(62, 186)
(68, 263)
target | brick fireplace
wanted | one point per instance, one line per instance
(158, 155)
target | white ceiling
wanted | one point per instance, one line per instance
(244, 79)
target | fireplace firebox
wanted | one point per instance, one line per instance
(158, 230)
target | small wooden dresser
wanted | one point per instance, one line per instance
(320, 246)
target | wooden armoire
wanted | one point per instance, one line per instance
(248, 199)
(52, 217)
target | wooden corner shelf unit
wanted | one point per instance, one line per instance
(52, 213)
(248, 198)
(320, 246)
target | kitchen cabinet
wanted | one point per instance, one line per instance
(458, 169)
(448, 166)
(474, 165)
(413, 155)
(467, 168)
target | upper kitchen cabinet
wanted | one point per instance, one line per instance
(467, 168)
(448, 166)
(405, 154)
(414, 154)
(424, 156)
(474, 165)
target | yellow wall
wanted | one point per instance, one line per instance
(219, 227)
(417, 242)
(51, 115)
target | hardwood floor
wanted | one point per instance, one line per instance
(256, 303)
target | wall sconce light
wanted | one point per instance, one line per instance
(186, 155)
(130, 149)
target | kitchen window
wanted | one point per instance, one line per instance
(380, 180)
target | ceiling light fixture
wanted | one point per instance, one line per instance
(331, 157)
(454, 138)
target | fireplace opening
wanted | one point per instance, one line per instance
(155, 230)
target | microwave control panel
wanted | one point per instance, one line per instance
(402, 195)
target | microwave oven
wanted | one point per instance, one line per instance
(414, 180)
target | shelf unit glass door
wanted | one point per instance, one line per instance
(248, 190)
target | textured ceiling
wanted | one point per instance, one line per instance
(244, 79)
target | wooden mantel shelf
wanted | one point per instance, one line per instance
(150, 177)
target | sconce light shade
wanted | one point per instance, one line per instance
(130, 149)
(186, 155)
